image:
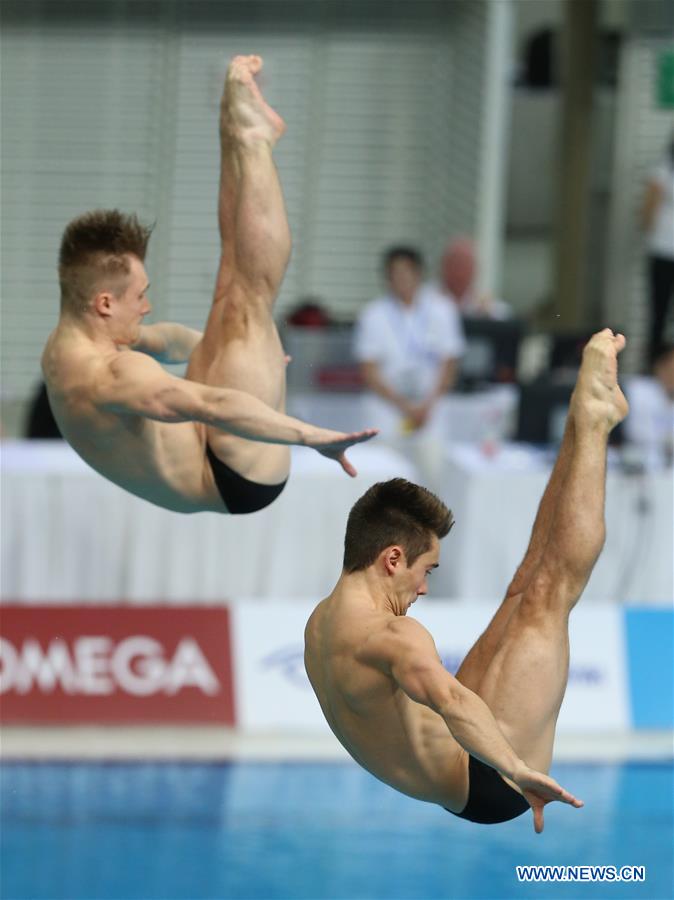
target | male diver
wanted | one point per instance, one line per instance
(479, 744)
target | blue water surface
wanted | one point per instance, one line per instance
(159, 831)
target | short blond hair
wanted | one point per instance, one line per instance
(94, 253)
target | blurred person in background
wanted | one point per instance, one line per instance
(408, 343)
(649, 429)
(40, 422)
(458, 278)
(657, 220)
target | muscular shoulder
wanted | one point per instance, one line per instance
(405, 629)
(70, 365)
(333, 625)
(395, 637)
(128, 363)
(84, 380)
(338, 626)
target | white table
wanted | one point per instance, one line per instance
(495, 498)
(68, 534)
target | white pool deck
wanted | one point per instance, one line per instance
(215, 743)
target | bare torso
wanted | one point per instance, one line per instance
(403, 743)
(162, 463)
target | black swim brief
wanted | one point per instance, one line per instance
(238, 493)
(490, 799)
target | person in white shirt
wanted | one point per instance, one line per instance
(408, 343)
(650, 425)
(458, 277)
(657, 219)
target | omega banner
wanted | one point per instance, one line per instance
(115, 664)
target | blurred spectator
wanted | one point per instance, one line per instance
(408, 343)
(649, 426)
(657, 219)
(40, 422)
(458, 277)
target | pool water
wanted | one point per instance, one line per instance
(158, 831)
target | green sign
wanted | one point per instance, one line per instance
(666, 79)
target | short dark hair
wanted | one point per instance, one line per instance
(96, 245)
(410, 254)
(393, 512)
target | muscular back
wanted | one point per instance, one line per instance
(401, 742)
(163, 463)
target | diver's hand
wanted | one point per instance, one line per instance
(334, 444)
(539, 790)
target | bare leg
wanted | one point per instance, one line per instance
(525, 682)
(475, 664)
(241, 347)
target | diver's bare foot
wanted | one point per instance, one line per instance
(244, 115)
(597, 398)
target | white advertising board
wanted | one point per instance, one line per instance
(272, 692)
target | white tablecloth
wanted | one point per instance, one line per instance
(494, 500)
(68, 534)
(487, 415)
